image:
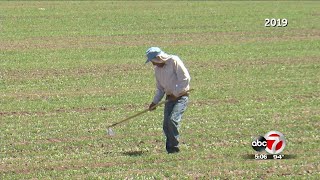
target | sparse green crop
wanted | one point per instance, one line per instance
(70, 69)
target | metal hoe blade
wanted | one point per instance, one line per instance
(110, 132)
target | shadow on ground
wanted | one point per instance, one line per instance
(133, 153)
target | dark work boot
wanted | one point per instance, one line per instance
(173, 150)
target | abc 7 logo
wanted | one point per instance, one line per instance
(273, 142)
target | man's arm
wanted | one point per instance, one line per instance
(159, 93)
(158, 96)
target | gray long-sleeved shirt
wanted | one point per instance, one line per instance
(172, 79)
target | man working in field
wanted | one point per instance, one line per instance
(173, 80)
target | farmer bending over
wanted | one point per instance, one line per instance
(173, 80)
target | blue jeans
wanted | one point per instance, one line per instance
(173, 111)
